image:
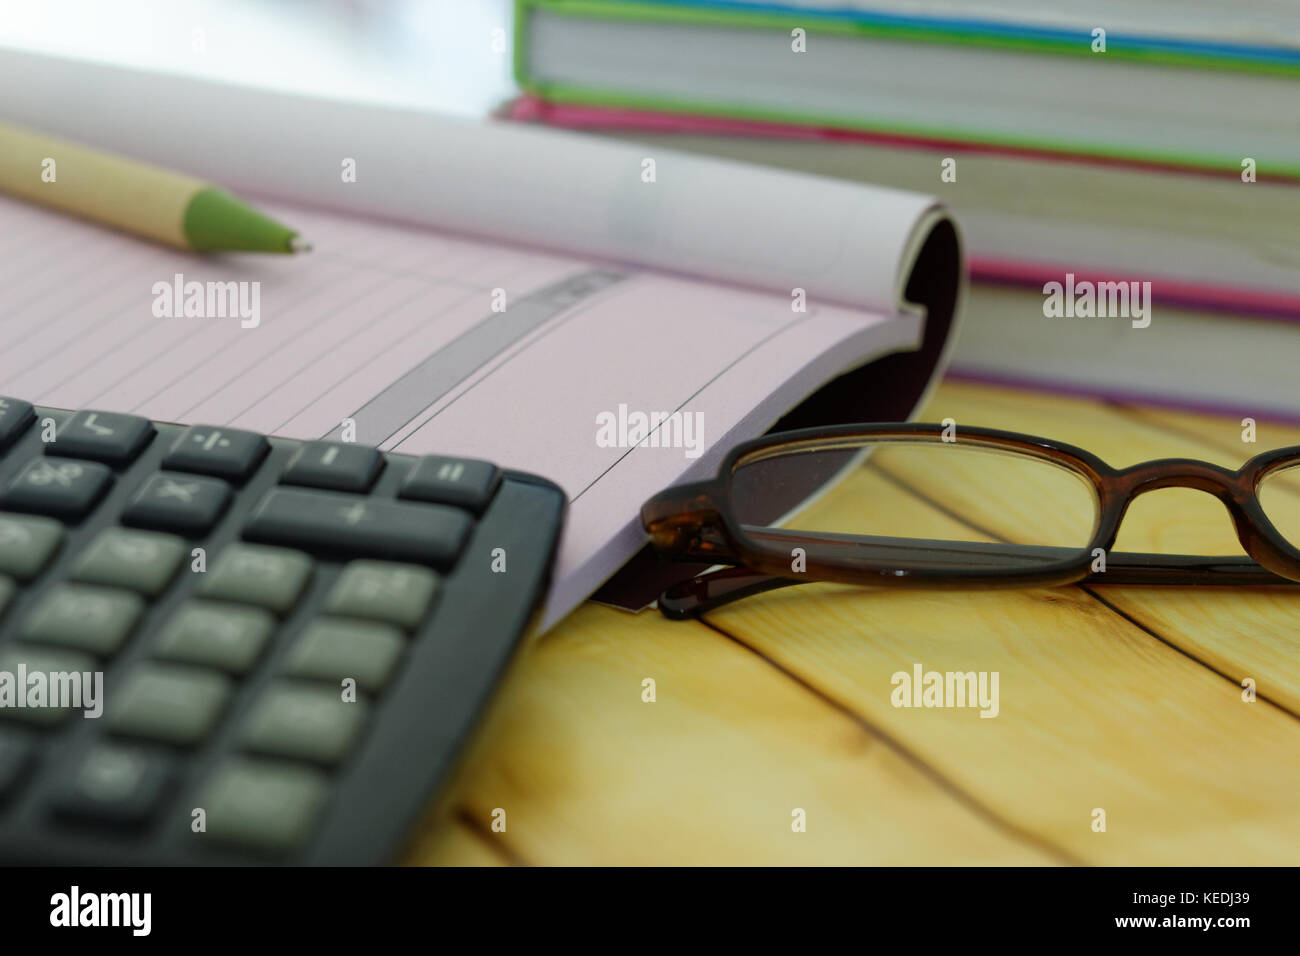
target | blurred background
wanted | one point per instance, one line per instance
(1069, 158)
(425, 54)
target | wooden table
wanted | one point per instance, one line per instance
(1123, 699)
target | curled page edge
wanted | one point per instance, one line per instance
(842, 242)
(891, 387)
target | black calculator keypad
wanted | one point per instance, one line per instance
(295, 639)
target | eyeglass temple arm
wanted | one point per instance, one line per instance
(713, 589)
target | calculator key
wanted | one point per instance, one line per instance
(15, 416)
(27, 543)
(58, 487)
(252, 574)
(377, 528)
(228, 637)
(142, 561)
(185, 504)
(305, 722)
(168, 703)
(382, 591)
(334, 465)
(221, 452)
(79, 670)
(115, 786)
(334, 649)
(262, 804)
(17, 754)
(84, 617)
(102, 436)
(464, 482)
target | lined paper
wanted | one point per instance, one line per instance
(394, 327)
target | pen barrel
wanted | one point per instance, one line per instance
(123, 193)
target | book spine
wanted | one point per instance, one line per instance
(1004, 35)
(718, 12)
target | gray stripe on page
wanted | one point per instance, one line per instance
(385, 414)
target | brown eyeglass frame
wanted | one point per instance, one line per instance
(696, 522)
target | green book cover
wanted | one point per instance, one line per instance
(1164, 52)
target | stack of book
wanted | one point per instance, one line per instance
(1127, 175)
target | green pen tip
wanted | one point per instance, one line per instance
(298, 244)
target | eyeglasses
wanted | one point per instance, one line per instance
(929, 506)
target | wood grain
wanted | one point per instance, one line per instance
(1124, 699)
(1094, 713)
(711, 771)
(449, 841)
(1240, 632)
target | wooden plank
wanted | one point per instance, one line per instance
(1168, 520)
(1239, 632)
(1094, 712)
(452, 842)
(709, 773)
(1255, 631)
(1225, 431)
(796, 711)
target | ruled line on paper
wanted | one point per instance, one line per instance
(405, 398)
(371, 313)
(341, 323)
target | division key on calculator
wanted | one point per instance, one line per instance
(265, 650)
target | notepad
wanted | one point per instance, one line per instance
(611, 377)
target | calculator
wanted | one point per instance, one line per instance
(222, 647)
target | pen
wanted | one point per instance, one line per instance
(135, 197)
